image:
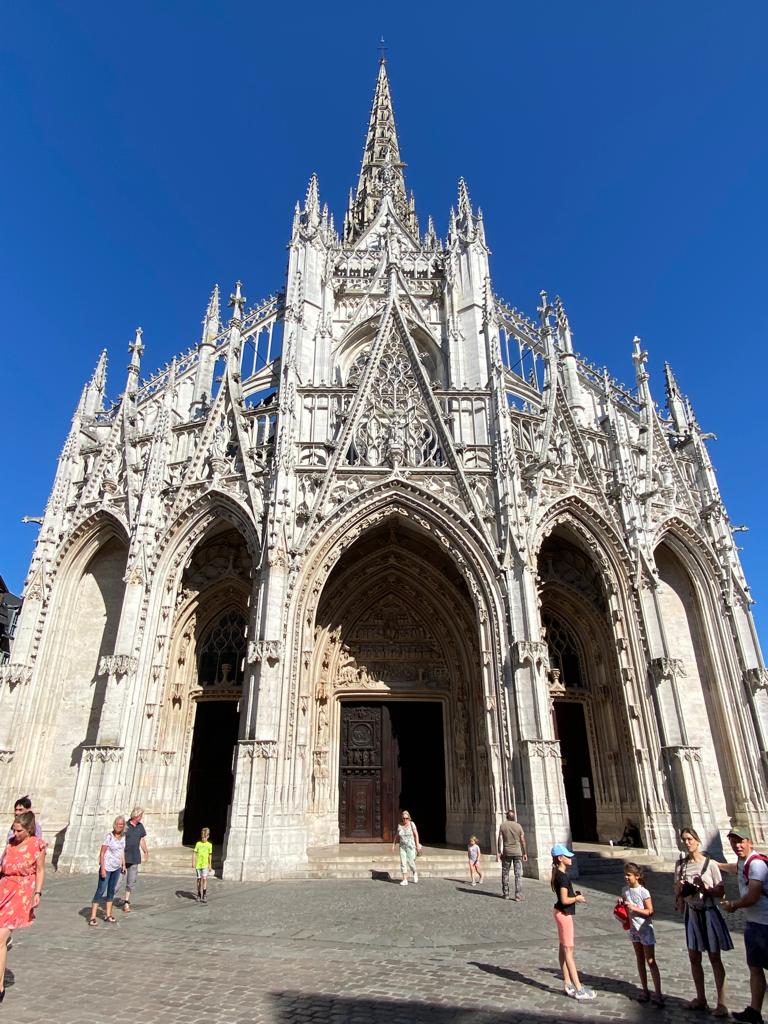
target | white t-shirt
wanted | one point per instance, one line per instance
(637, 895)
(711, 879)
(113, 856)
(757, 869)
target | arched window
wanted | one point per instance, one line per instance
(222, 653)
(564, 654)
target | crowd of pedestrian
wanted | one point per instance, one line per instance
(698, 890)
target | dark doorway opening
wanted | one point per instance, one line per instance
(571, 728)
(209, 787)
(392, 757)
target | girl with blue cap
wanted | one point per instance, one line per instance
(564, 913)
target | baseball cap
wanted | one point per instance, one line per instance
(559, 850)
(741, 832)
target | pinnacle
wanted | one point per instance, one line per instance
(465, 204)
(211, 320)
(381, 172)
(312, 198)
(99, 378)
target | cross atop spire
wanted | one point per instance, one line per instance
(381, 172)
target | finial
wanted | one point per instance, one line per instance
(544, 310)
(237, 301)
(136, 348)
(382, 51)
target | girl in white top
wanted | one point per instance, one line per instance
(639, 905)
(473, 860)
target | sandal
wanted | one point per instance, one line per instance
(697, 1004)
(126, 908)
(721, 1010)
(644, 997)
(93, 923)
(112, 920)
(658, 1001)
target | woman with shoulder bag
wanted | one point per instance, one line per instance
(698, 884)
(407, 836)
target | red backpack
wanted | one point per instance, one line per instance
(748, 861)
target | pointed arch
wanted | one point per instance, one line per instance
(692, 548)
(196, 520)
(88, 535)
(594, 532)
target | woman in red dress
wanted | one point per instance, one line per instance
(21, 883)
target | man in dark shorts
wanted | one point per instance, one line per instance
(511, 850)
(135, 846)
(752, 876)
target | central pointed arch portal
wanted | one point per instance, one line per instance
(400, 686)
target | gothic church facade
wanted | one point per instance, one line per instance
(382, 540)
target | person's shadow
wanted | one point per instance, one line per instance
(476, 891)
(507, 974)
(184, 894)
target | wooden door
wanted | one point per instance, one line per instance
(368, 774)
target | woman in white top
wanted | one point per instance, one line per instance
(111, 866)
(698, 884)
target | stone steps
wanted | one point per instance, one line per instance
(175, 860)
(366, 860)
(600, 859)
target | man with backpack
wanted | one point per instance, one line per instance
(752, 873)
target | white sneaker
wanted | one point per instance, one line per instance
(570, 990)
(404, 882)
(415, 876)
(584, 993)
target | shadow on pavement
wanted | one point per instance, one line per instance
(292, 1007)
(185, 894)
(382, 876)
(478, 892)
(507, 974)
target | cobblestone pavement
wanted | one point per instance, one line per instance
(340, 951)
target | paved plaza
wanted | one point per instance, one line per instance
(339, 951)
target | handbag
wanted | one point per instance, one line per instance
(621, 914)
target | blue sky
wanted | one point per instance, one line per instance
(618, 151)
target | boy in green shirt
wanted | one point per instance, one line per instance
(201, 860)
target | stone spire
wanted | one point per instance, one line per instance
(381, 173)
(677, 404)
(212, 318)
(93, 396)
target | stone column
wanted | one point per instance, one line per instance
(102, 774)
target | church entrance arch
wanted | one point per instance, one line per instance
(203, 695)
(399, 714)
(221, 662)
(589, 716)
